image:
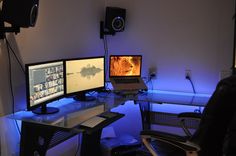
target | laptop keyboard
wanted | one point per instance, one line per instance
(130, 80)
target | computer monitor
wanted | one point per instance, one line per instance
(44, 84)
(83, 75)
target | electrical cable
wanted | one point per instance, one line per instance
(194, 91)
(10, 75)
(11, 85)
(149, 81)
(9, 46)
(190, 80)
(106, 53)
(152, 85)
(106, 59)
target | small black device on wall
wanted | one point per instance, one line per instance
(19, 13)
(114, 21)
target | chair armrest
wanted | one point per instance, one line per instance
(172, 139)
(166, 136)
(190, 115)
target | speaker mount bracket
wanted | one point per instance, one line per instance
(103, 31)
(4, 29)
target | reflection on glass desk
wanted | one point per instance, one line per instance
(159, 97)
(175, 98)
(156, 99)
(72, 113)
(52, 129)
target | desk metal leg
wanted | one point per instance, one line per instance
(145, 114)
(35, 139)
(91, 144)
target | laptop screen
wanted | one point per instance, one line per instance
(125, 65)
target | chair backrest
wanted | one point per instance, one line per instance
(216, 118)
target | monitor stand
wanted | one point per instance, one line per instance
(127, 93)
(83, 97)
(45, 110)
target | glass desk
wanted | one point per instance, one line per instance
(41, 132)
(159, 97)
(147, 99)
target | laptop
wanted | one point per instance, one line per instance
(125, 72)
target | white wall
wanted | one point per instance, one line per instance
(171, 35)
(64, 29)
(178, 35)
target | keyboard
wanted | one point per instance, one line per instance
(124, 80)
(92, 122)
(108, 115)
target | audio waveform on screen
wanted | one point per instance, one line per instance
(89, 71)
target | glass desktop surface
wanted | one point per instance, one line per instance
(168, 97)
(158, 97)
(72, 113)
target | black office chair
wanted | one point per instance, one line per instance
(208, 139)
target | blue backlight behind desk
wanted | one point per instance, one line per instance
(179, 93)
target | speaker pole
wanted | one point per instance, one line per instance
(101, 30)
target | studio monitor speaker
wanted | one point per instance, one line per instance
(115, 19)
(20, 13)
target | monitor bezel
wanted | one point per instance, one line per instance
(42, 104)
(126, 55)
(86, 90)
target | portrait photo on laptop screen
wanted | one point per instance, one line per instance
(125, 65)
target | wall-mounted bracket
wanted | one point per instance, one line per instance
(104, 31)
(4, 29)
